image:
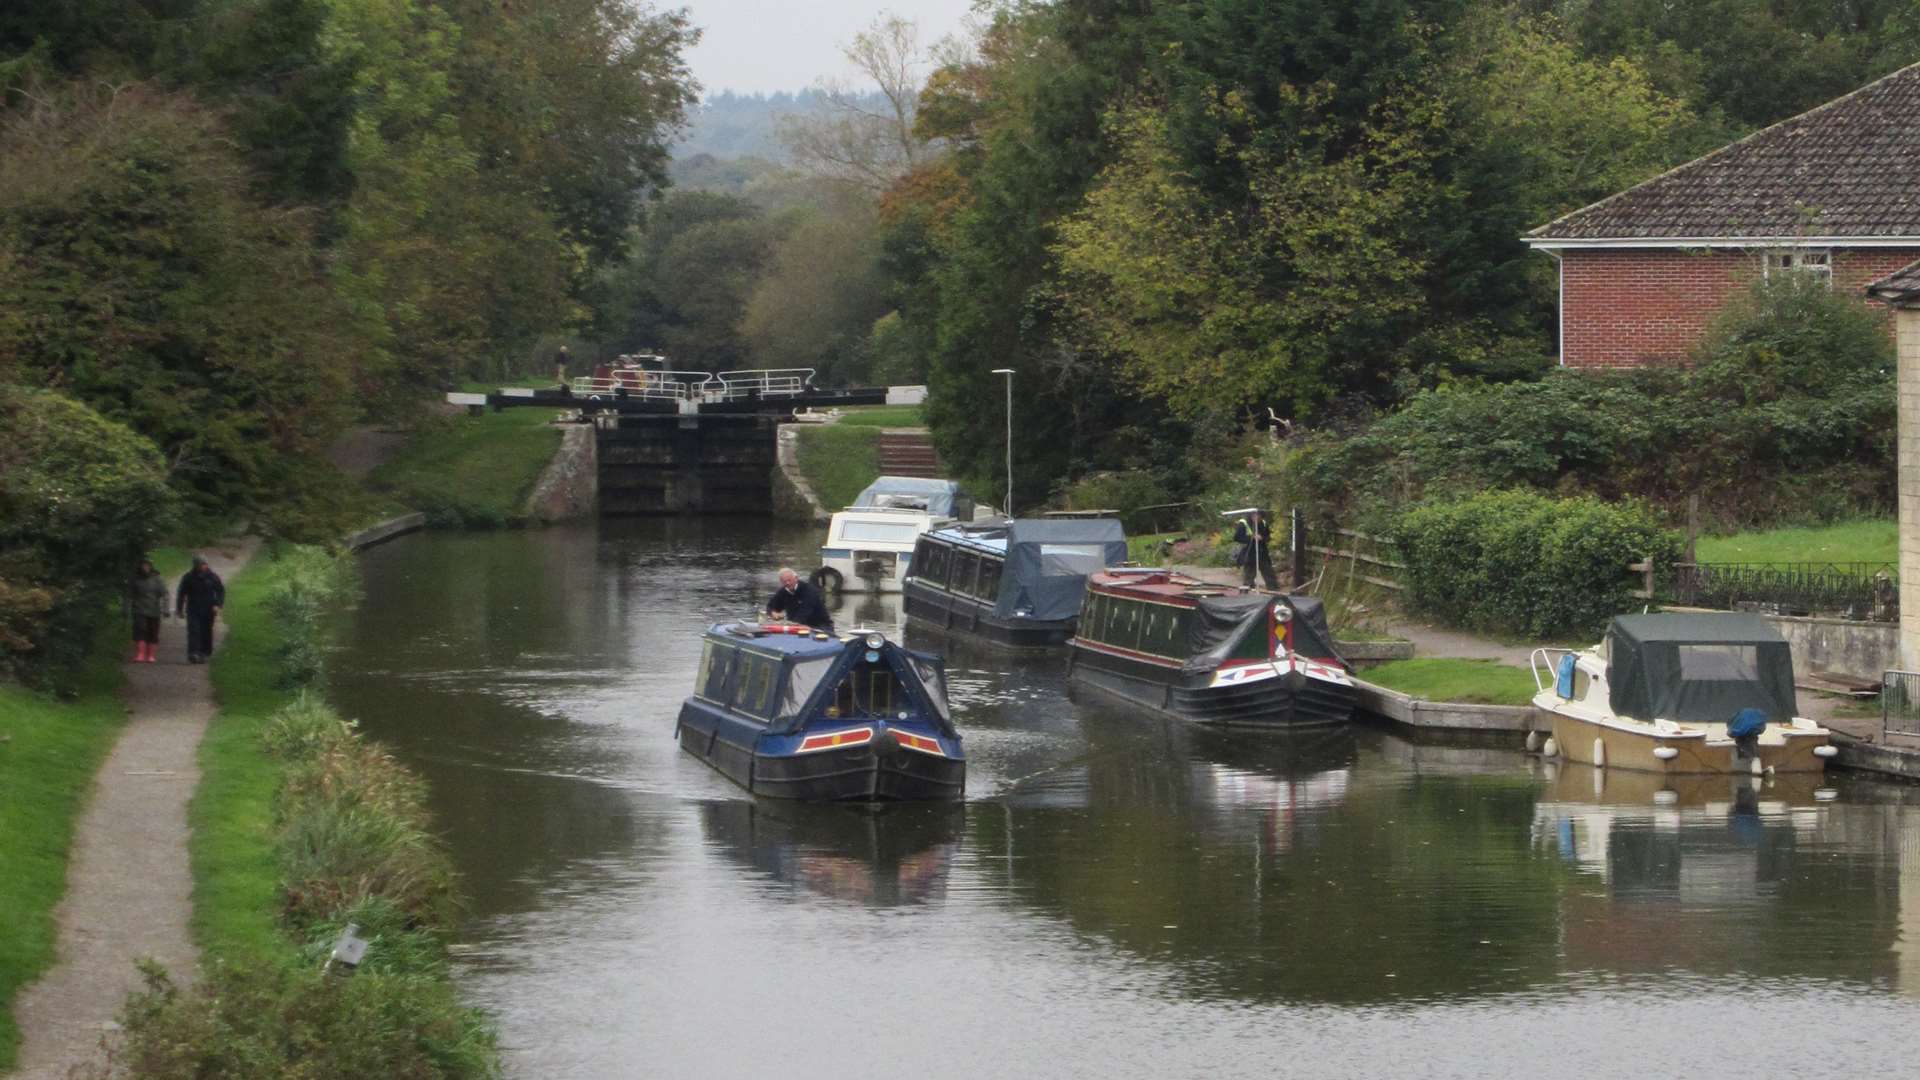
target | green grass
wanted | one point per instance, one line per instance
(470, 470)
(1447, 679)
(1867, 540)
(838, 461)
(889, 416)
(49, 753)
(1147, 549)
(236, 878)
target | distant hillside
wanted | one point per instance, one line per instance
(727, 125)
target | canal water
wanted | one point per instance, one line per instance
(1118, 896)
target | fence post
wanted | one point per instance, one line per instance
(1297, 540)
(1693, 522)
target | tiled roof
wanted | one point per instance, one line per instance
(1850, 168)
(1900, 287)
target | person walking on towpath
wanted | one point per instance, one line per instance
(798, 601)
(200, 597)
(1253, 549)
(146, 605)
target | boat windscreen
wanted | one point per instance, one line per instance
(933, 676)
(803, 678)
(870, 689)
(885, 532)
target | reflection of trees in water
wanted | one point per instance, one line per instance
(1256, 868)
(880, 857)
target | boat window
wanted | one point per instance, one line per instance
(801, 683)
(988, 587)
(1090, 608)
(753, 690)
(868, 690)
(931, 564)
(1729, 663)
(966, 565)
(933, 677)
(886, 532)
(1128, 632)
(1072, 560)
(716, 662)
(1110, 621)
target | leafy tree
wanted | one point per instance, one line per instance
(80, 498)
(144, 278)
(815, 303)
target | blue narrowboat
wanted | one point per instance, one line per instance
(1014, 584)
(793, 713)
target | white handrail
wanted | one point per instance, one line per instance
(766, 381)
(1543, 656)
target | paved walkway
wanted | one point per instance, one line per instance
(129, 890)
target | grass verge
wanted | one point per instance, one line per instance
(838, 461)
(886, 416)
(1478, 682)
(49, 752)
(471, 471)
(1865, 540)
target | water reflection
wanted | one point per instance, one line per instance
(881, 858)
(1118, 893)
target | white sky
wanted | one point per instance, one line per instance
(768, 45)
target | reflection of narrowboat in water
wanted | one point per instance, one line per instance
(1212, 654)
(900, 856)
(1674, 693)
(797, 714)
(1013, 583)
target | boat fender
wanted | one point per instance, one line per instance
(827, 579)
(886, 744)
(1599, 753)
(1665, 753)
(1533, 742)
(1825, 751)
(1551, 748)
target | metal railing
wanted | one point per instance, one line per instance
(767, 382)
(1869, 591)
(641, 384)
(1900, 703)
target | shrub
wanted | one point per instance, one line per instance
(1125, 492)
(304, 728)
(1515, 562)
(306, 585)
(281, 1023)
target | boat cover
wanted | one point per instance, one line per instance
(942, 498)
(1704, 666)
(1048, 562)
(1221, 623)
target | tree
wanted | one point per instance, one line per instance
(815, 302)
(858, 140)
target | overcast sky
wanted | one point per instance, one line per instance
(768, 45)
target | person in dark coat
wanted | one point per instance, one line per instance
(200, 597)
(1255, 539)
(798, 601)
(146, 606)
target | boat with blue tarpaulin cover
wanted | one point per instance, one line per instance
(793, 713)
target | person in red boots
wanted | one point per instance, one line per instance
(147, 605)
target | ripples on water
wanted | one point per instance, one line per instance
(1118, 897)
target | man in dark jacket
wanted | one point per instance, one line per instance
(200, 597)
(798, 601)
(1255, 539)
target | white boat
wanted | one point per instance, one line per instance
(1680, 693)
(870, 544)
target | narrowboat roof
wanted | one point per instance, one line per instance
(1226, 614)
(787, 643)
(1047, 560)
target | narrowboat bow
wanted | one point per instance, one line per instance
(792, 713)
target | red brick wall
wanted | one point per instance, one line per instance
(1625, 308)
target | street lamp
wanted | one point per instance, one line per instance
(1008, 372)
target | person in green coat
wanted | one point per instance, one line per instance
(147, 605)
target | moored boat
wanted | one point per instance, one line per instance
(1211, 654)
(793, 713)
(870, 544)
(1680, 692)
(1012, 583)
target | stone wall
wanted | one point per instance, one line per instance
(1907, 335)
(568, 489)
(1861, 650)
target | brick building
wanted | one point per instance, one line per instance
(1834, 191)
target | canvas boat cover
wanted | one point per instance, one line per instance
(1698, 666)
(1048, 561)
(942, 498)
(1221, 623)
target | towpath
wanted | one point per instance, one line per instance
(129, 891)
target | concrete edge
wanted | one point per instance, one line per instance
(1874, 758)
(787, 468)
(383, 531)
(1445, 715)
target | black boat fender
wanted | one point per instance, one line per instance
(827, 579)
(886, 746)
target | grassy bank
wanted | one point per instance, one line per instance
(469, 471)
(1865, 540)
(1478, 682)
(49, 753)
(838, 461)
(883, 416)
(300, 826)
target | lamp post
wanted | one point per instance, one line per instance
(1008, 372)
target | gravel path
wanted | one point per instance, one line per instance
(129, 891)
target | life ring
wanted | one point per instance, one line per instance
(827, 579)
(785, 628)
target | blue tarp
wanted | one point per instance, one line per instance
(942, 497)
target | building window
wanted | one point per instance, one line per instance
(1802, 261)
